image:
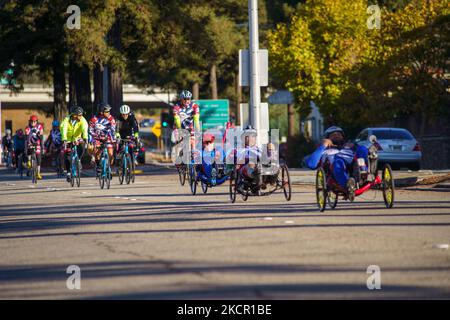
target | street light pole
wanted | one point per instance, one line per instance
(255, 90)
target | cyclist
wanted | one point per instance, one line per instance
(102, 128)
(340, 156)
(19, 146)
(34, 133)
(7, 143)
(53, 143)
(74, 130)
(127, 127)
(187, 115)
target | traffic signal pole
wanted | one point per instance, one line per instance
(255, 89)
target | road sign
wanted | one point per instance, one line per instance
(244, 68)
(281, 97)
(214, 113)
(156, 130)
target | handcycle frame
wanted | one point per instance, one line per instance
(329, 191)
(240, 184)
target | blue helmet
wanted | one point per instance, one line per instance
(185, 94)
(55, 123)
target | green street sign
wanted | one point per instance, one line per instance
(214, 113)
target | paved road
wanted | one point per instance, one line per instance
(154, 240)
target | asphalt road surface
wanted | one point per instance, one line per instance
(154, 240)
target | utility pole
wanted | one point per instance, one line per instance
(255, 90)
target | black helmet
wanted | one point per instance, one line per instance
(104, 107)
(76, 110)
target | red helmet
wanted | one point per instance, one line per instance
(33, 118)
(208, 137)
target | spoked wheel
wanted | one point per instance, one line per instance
(193, 179)
(72, 174)
(108, 177)
(121, 170)
(388, 186)
(332, 200)
(321, 189)
(128, 169)
(245, 196)
(132, 174)
(233, 185)
(103, 173)
(204, 187)
(182, 173)
(34, 169)
(286, 182)
(78, 176)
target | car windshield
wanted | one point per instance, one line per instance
(384, 134)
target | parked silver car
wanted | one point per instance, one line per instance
(396, 146)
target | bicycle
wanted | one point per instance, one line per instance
(8, 159)
(126, 168)
(33, 171)
(105, 167)
(75, 166)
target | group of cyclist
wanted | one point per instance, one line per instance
(74, 130)
(104, 129)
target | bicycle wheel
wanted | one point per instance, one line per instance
(78, 175)
(233, 185)
(34, 169)
(128, 169)
(204, 187)
(388, 186)
(133, 168)
(102, 177)
(182, 173)
(332, 199)
(193, 179)
(121, 169)
(108, 177)
(286, 181)
(73, 172)
(20, 166)
(321, 189)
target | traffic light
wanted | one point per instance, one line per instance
(165, 119)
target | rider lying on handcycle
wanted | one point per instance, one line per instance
(342, 158)
(250, 160)
(212, 168)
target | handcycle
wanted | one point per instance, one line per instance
(126, 166)
(268, 178)
(216, 175)
(366, 176)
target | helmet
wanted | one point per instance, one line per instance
(8, 132)
(76, 110)
(19, 132)
(104, 107)
(55, 123)
(185, 94)
(331, 130)
(208, 137)
(33, 118)
(125, 109)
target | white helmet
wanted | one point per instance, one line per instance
(125, 109)
(8, 131)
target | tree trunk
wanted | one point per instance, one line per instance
(72, 85)
(196, 90)
(213, 82)
(115, 97)
(59, 87)
(83, 86)
(115, 94)
(98, 85)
